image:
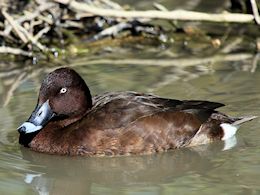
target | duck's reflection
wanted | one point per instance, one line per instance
(80, 175)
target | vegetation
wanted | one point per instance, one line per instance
(45, 28)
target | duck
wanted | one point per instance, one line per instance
(67, 120)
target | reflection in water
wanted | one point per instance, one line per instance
(77, 175)
(172, 70)
(230, 143)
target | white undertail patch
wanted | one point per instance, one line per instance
(230, 143)
(229, 130)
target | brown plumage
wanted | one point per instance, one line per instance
(68, 121)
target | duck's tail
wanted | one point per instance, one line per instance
(230, 129)
(209, 132)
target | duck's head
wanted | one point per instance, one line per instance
(63, 96)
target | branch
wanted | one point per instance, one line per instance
(154, 14)
(255, 11)
(30, 16)
(15, 26)
(15, 51)
(24, 35)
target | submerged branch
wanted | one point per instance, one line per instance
(182, 62)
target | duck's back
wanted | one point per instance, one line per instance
(114, 110)
(130, 122)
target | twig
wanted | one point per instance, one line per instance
(42, 32)
(162, 8)
(15, 51)
(30, 16)
(15, 26)
(7, 36)
(24, 35)
(255, 11)
(46, 19)
(154, 14)
(229, 47)
(112, 4)
(32, 39)
(111, 31)
(73, 24)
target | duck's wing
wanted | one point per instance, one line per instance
(133, 123)
(121, 108)
(198, 104)
(152, 101)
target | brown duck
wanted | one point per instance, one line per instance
(68, 121)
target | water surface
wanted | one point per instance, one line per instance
(208, 169)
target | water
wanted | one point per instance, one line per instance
(232, 79)
(189, 68)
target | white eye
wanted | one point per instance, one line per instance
(63, 90)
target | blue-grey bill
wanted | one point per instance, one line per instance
(38, 119)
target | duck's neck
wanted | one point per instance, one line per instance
(67, 121)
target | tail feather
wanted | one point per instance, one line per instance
(241, 120)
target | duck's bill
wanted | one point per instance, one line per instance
(39, 118)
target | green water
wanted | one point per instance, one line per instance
(188, 68)
(231, 78)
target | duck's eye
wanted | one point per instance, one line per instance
(63, 90)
